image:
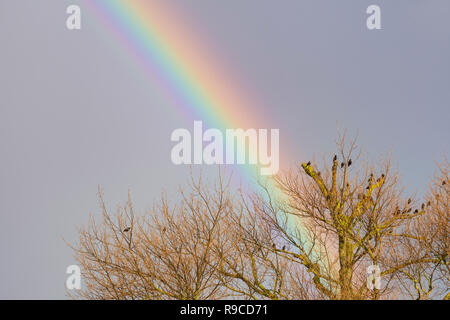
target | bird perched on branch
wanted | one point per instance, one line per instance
(126, 229)
(335, 158)
(349, 163)
(342, 164)
(309, 163)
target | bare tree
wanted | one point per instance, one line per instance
(310, 233)
(352, 216)
(165, 254)
(427, 238)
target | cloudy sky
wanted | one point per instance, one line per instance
(76, 111)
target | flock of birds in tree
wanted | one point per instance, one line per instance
(371, 181)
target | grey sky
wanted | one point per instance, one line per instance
(76, 111)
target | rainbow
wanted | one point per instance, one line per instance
(186, 70)
(185, 67)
